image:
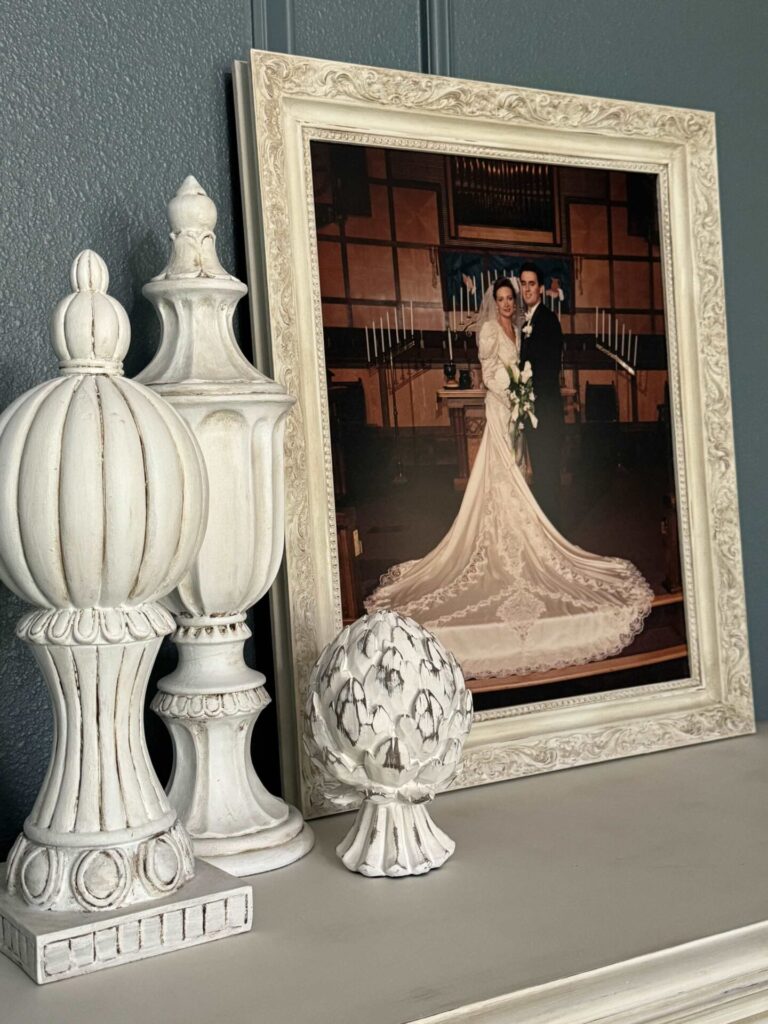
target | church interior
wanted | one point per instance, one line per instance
(407, 243)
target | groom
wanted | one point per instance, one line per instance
(542, 345)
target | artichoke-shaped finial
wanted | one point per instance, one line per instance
(192, 216)
(90, 331)
(388, 715)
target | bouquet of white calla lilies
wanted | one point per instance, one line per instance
(522, 400)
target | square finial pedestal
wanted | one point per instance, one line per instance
(51, 946)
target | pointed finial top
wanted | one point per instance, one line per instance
(191, 209)
(192, 216)
(90, 331)
(89, 273)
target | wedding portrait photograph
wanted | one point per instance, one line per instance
(501, 430)
(501, 312)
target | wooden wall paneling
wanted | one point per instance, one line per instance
(596, 283)
(378, 225)
(273, 25)
(588, 228)
(371, 271)
(631, 285)
(625, 244)
(436, 31)
(332, 283)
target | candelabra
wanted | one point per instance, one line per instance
(211, 702)
(102, 510)
(620, 347)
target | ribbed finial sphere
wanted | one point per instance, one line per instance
(101, 482)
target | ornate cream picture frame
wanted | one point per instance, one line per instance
(286, 102)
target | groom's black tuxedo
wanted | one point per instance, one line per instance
(542, 348)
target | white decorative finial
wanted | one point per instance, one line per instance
(192, 216)
(212, 700)
(90, 331)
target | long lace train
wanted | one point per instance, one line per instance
(504, 591)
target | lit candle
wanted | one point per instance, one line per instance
(595, 321)
(616, 334)
(634, 357)
(411, 316)
(461, 304)
(389, 333)
(602, 328)
(450, 347)
(421, 339)
(476, 290)
(367, 346)
(453, 306)
(375, 347)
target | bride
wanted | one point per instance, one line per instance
(503, 590)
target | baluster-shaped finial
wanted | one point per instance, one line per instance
(238, 417)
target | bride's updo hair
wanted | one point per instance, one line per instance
(503, 282)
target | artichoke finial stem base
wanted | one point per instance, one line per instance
(394, 839)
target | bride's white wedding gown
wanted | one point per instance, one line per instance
(503, 590)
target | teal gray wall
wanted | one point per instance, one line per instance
(105, 108)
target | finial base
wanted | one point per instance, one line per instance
(394, 839)
(257, 852)
(54, 946)
(210, 705)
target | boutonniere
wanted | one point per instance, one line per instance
(527, 328)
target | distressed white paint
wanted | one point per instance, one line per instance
(52, 947)
(388, 714)
(102, 509)
(211, 702)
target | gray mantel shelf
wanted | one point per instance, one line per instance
(555, 879)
